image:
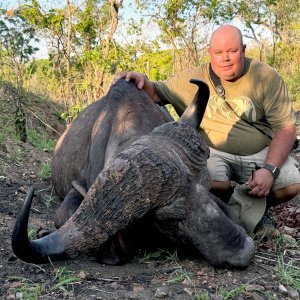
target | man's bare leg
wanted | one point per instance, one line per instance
(222, 189)
(283, 195)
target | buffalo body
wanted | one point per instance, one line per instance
(128, 162)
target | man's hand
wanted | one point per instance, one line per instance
(138, 78)
(260, 183)
(141, 82)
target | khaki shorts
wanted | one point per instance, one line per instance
(223, 166)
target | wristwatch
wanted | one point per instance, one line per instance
(274, 170)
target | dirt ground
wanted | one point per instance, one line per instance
(164, 276)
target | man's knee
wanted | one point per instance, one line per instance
(222, 189)
(283, 195)
(221, 185)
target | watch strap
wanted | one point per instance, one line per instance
(274, 170)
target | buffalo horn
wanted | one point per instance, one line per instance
(195, 111)
(26, 249)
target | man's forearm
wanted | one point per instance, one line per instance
(149, 88)
(281, 146)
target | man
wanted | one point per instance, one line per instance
(250, 130)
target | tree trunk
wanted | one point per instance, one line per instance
(68, 54)
(114, 9)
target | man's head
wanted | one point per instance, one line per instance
(227, 52)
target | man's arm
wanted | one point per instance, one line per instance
(278, 153)
(281, 146)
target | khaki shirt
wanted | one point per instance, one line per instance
(260, 96)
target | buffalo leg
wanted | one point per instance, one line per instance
(117, 250)
(70, 204)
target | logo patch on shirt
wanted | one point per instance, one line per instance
(241, 105)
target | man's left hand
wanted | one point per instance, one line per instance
(260, 183)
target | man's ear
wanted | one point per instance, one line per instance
(244, 47)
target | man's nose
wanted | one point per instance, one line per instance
(225, 56)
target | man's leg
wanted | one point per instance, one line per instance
(287, 185)
(220, 173)
(222, 189)
(224, 167)
(283, 195)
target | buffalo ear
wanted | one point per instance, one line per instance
(194, 113)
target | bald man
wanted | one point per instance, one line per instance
(249, 125)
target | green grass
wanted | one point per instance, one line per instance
(61, 282)
(48, 200)
(27, 289)
(289, 273)
(7, 129)
(203, 295)
(226, 294)
(180, 275)
(160, 256)
(282, 242)
(166, 257)
(40, 141)
(63, 279)
(36, 139)
(31, 233)
(18, 155)
(45, 171)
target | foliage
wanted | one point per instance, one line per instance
(180, 275)
(231, 294)
(45, 171)
(161, 256)
(17, 155)
(32, 233)
(289, 273)
(40, 140)
(73, 112)
(16, 38)
(292, 82)
(48, 200)
(202, 295)
(29, 289)
(179, 23)
(7, 129)
(62, 281)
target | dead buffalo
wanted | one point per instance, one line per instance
(133, 163)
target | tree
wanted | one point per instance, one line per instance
(183, 25)
(16, 36)
(80, 39)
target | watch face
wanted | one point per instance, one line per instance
(274, 170)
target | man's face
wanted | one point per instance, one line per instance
(227, 55)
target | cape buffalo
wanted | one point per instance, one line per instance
(127, 163)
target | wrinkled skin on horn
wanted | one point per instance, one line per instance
(158, 172)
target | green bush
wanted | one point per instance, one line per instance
(292, 81)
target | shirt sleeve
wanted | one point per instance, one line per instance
(178, 90)
(277, 104)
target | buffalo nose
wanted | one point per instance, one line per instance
(244, 255)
